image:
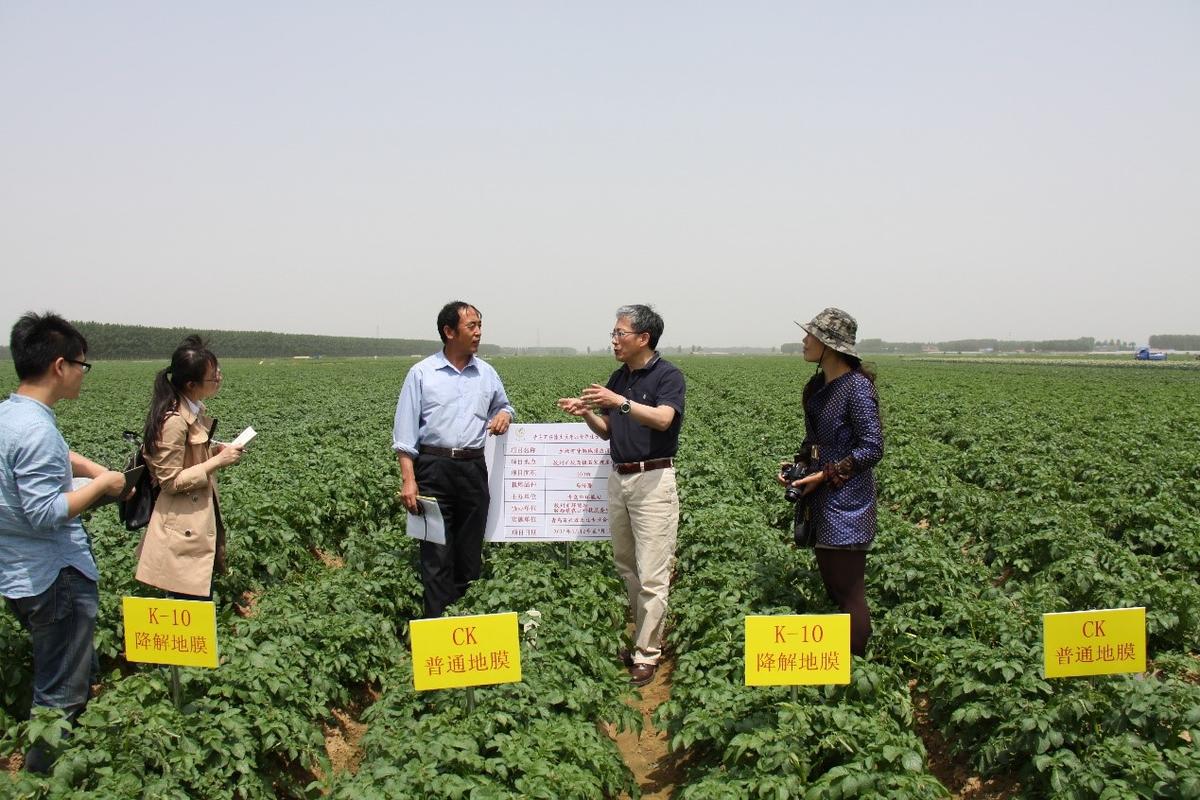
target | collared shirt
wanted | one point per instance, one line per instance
(659, 383)
(842, 417)
(441, 406)
(37, 539)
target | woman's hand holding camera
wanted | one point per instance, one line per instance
(806, 484)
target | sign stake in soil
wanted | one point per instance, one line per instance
(172, 632)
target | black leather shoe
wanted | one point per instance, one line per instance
(625, 656)
(641, 674)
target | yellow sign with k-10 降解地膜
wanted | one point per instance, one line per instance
(800, 649)
(1102, 642)
(453, 652)
(180, 632)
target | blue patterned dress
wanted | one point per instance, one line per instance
(842, 418)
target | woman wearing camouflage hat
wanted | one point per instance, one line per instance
(845, 438)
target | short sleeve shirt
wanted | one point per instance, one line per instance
(659, 383)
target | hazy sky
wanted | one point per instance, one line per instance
(940, 170)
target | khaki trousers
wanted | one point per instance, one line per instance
(643, 517)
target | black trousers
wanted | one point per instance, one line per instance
(844, 574)
(461, 489)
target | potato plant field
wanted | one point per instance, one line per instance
(1006, 491)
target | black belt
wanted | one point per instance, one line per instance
(462, 453)
(634, 467)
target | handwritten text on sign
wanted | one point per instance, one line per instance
(549, 483)
(797, 649)
(180, 632)
(465, 651)
(1100, 642)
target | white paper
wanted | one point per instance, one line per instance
(548, 483)
(428, 526)
(244, 438)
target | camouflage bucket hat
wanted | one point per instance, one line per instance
(834, 328)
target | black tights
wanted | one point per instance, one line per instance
(844, 573)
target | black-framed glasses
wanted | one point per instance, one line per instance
(86, 366)
(617, 333)
(217, 379)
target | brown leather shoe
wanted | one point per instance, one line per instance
(641, 674)
(625, 656)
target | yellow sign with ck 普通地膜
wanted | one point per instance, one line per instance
(791, 650)
(1101, 642)
(180, 632)
(453, 652)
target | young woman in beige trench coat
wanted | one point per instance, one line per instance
(185, 540)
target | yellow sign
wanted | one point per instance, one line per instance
(797, 649)
(1102, 642)
(181, 632)
(465, 651)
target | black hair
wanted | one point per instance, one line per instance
(451, 315)
(189, 364)
(643, 319)
(38, 340)
(818, 379)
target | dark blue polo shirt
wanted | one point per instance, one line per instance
(659, 383)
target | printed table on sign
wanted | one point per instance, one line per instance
(549, 483)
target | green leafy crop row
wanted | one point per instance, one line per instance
(1006, 492)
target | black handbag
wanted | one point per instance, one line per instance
(135, 511)
(804, 531)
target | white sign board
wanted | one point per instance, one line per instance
(549, 483)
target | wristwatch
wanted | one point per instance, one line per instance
(624, 408)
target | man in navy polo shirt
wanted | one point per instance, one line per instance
(639, 411)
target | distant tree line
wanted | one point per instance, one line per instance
(111, 342)
(880, 346)
(874, 346)
(1083, 344)
(1166, 341)
(537, 351)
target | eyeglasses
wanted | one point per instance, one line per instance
(217, 379)
(86, 366)
(617, 333)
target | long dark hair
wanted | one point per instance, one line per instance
(818, 379)
(189, 364)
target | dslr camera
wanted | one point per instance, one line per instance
(800, 466)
